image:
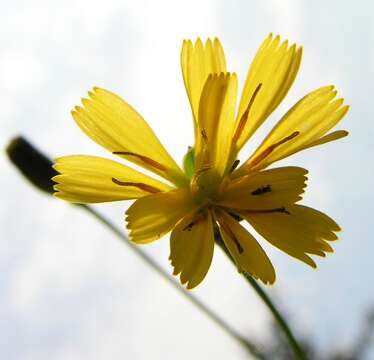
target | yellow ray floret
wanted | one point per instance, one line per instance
(245, 250)
(155, 215)
(216, 122)
(303, 126)
(115, 125)
(191, 248)
(91, 179)
(298, 232)
(274, 68)
(198, 61)
(268, 189)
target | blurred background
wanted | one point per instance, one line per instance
(70, 290)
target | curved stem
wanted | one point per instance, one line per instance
(249, 346)
(298, 352)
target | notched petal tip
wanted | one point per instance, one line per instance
(192, 285)
(292, 48)
(186, 45)
(76, 110)
(285, 44)
(87, 102)
(217, 41)
(313, 265)
(59, 195)
(345, 109)
(273, 280)
(208, 42)
(198, 42)
(344, 132)
(299, 54)
(56, 179)
(55, 163)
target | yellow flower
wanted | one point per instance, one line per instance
(219, 192)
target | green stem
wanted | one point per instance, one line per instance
(298, 352)
(249, 346)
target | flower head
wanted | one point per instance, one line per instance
(214, 191)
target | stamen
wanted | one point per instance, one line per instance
(234, 165)
(238, 245)
(235, 216)
(204, 135)
(203, 169)
(141, 186)
(193, 223)
(268, 211)
(243, 120)
(261, 190)
(271, 148)
(145, 159)
(232, 236)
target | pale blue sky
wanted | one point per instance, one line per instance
(68, 289)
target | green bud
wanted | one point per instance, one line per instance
(189, 162)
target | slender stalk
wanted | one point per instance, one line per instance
(298, 352)
(248, 345)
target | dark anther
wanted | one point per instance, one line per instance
(234, 165)
(232, 236)
(237, 243)
(141, 186)
(244, 118)
(204, 135)
(235, 216)
(192, 223)
(145, 159)
(188, 227)
(280, 210)
(261, 190)
(268, 211)
(283, 209)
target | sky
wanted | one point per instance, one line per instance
(70, 290)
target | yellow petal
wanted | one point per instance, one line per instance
(298, 232)
(245, 250)
(191, 248)
(302, 127)
(198, 61)
(266, 189)
(151, 217)
(274, 68)
(89, 179)
(115, 125)
(335, 135)
(216, 122)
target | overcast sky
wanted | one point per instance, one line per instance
(68, 289)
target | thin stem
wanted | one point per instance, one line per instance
(249, 346)
(278, 317)
(298, 352)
